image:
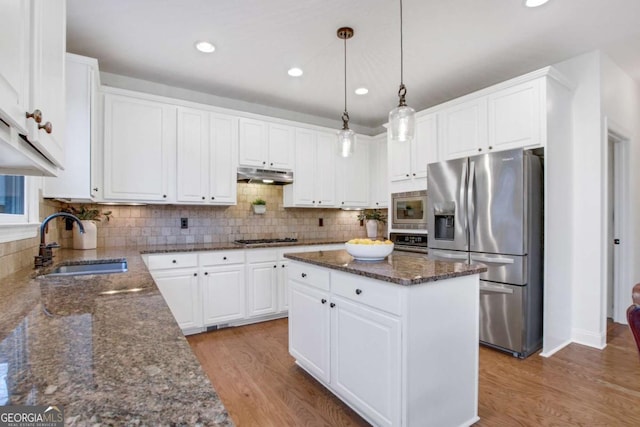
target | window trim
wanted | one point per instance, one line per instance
(26, 225)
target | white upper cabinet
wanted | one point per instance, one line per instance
(266, 145)
(206, 157)
(314, 177)
(32, 81)
(515, 116)
(464, 129)
(47, 91)
(379, 185)
(78, 181)
(139, 149)
(408, 160)
(352, 177)
(14, 62)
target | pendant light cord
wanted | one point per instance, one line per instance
(401, 49)
(345, 115)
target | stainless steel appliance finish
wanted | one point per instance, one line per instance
(409, 210)
(264, 176)
(488, 209)
(409, 242)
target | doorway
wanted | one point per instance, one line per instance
(616, 234)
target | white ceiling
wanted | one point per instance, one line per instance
(452, 47)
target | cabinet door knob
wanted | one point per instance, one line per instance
(313, 201)
(479, 149)
(358, 291)
(376, 203)
(414, 174)
(275, 266)
(264, 163)
(95, 189)
(164, 196)
(224, 258)
(195, 274)
(270, 164)
(202, 197)
(343, 203)
(324, 301)
(174, 261)
(48, 127)
(36, 115)
(206, 273)
(490, 147)
(332, 305)
(407, 175)
(319, 202)
(213, 198)
(282, 265)
(304, 274)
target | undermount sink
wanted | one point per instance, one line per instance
(90, 267)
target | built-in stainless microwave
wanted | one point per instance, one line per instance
(409, 210)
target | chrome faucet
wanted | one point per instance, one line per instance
(45, 256)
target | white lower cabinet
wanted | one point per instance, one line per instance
(223, 293)
(179, 288)
(262, 288)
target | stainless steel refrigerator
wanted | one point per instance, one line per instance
(488, 209)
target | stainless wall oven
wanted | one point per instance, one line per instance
(409, 210)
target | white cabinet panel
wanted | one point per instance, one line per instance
(14, 62)
(379, 179)
(305, 176)
(365, 364)
(223, 294)
(281, 147)
(326, 153)
(464, 129)
(47, 91)
(262, 288)
(408, 160)
(352, 178)
(192, 155)
(223, 159)
(253, 143)
(180, 290)
(139, 149)
(309, 328)
(515, 116)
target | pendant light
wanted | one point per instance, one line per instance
(346, 137)
(402, 119)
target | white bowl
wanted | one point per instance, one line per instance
(369, 252)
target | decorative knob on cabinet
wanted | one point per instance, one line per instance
(319, 202)
(270, 164)
(174, 261)
(224, 258)
(164, 196)
(479, 149)
(203, 197)
(283, 265)
(332, 305)
(414, 174)
(213, 198)
(358, 291)
(324, 301)
(48, 127)
(36, 115)
(304, 274)
(407, 175)
(195, 274)
(264, 163)
(206, 273)
(275, 266)
(95, 189)
(490, 147)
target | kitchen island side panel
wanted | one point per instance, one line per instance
(441, 353)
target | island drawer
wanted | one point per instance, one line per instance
(222, 257)
(172, 260)
(305, 273)
(374, 293)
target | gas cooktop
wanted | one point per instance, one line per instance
(259, 241)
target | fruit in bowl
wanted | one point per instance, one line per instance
(368, 249)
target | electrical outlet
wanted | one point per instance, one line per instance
(320, 222)
(184, 222)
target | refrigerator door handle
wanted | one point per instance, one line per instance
(463, 201)
(495, 289)
(450, 256)
(492, 260)
(471, 206)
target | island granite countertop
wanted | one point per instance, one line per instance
(105, 347)
(403, 268)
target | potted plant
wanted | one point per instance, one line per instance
(259, 206)
(88, 217)
(372, 217)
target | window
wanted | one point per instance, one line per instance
(19, 199)
(12, 195)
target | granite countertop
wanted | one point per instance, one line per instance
(225, 246)
(105, 347)
(403, 268)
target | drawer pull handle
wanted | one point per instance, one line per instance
(332, 305)
(304, 274)
(358, 291)
(324, 301)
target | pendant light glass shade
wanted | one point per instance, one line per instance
(346, 137)
(402, 119)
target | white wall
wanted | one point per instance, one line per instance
(621, 107)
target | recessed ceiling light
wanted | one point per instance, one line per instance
(295, 72)
(362, 91)
(205, 47)
(535, 3)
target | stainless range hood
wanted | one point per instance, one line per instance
(264, 176)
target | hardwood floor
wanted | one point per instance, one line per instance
(260, 385)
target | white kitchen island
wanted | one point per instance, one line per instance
(396, 340)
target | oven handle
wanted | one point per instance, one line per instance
(495, 289)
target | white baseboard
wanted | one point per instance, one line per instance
(550, 352)
(589, 338)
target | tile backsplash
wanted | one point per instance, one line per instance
(160, 224)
